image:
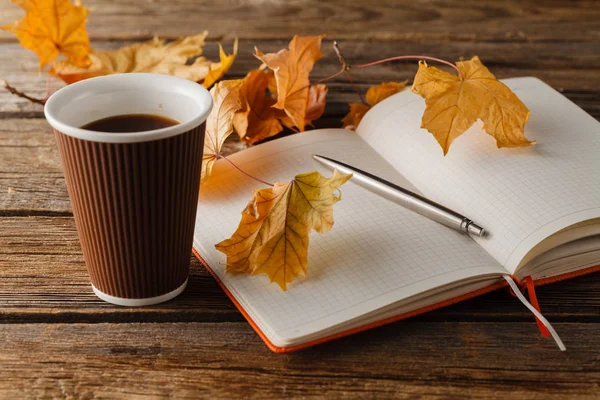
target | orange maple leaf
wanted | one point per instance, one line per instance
(53, 27)
(375, 94)
(257, 120)
(315, 106)
(357, 112)
(292, 68)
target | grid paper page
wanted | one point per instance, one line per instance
(377, 252)
(521, 196)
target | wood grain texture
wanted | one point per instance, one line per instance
(570, 67)
(57, 340)
(227, 360)
(43, 278)
(404, 20)
(31, 177)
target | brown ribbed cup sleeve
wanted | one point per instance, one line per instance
(135, 209)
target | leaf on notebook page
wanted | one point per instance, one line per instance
(154, 55)
(454, 103)
(375, 94)
(219, 124)
(53, 27)
(292, 68)
(273, 235)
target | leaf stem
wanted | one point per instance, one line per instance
(411, 57)
(18, 93)
(327, 78)
(218, 155)
(346, 68)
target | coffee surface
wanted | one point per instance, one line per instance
(130, 123)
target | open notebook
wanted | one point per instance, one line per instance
(382, 262)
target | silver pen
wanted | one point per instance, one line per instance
(406, 198)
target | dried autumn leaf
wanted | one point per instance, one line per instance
(292, 68)
(315, 106)
(151, 56)
(273, 235)
(375, 94)
(454, 103)
(226, 61)
(52, 27)
(378, 93)
(257, 120)
(219, 124)
(357, 112)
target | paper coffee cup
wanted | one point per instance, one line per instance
(134, 195)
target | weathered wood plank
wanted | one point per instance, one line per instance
(570, 67)
(227, 360)
(43, 275)
(31, 177)
(43, 278)
(408, 20)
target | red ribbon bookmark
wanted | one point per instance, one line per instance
(535, 310)
(534, 302)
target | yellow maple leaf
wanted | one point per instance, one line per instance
(257, 120)
(375, 94)
(52, 27)
(150, 56)
(219, 124)
(226, 61)
(454, 103)
(292, 68)
(273, 235)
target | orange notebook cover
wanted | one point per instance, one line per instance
(281, 350)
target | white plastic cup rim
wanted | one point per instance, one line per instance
(129, 93)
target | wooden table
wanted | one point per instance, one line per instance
(58, 340)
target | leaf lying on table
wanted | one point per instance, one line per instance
(281, 95)
(454, 103)
(378, 93)
(219, 124)
(315, 106)
(150, 56)
(375, 94)
(226, 61)
(257, 120)
(273, 235)
(53, 27)
(292, 68)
